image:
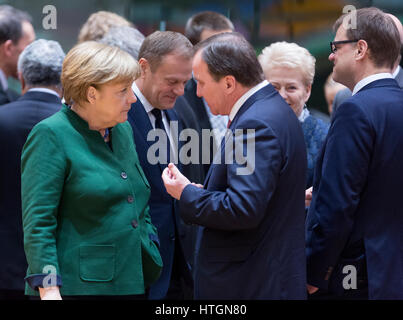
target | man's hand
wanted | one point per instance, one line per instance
(50, 293)
(174, 181)
(308, 197)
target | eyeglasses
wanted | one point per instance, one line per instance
(333, 47)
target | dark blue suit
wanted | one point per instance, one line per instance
(356, 214)
(16, 121)
(163, 208)
(251, 245)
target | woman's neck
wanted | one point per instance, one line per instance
(83, 113)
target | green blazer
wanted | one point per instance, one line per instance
(85, 209)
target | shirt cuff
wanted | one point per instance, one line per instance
(36, 281)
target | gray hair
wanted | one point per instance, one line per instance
(125, 38)
(41, 63)
(288, 55)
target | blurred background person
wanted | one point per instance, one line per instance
(99, 23)
(126, 38)
(84, 195)
(39, 69)
(16, 32)
(165, 60)
(397, 71)
(291, 70)
(199, 27)
(330, 90)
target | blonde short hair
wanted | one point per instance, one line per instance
(289, 55)
(99, 23)
(92, 64)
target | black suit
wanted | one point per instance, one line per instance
(195, 172)
(7, 96)
(16, 121)
(197, 105)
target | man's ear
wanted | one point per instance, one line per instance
(92, 94)
(8, 48)
(361, 50)
(229, 84)
(22, 82)
(144, 66)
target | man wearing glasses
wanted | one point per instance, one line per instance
(355, 220)
(397, 72)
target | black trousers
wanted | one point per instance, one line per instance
(12, 295)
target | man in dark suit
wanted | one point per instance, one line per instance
(165, 59)
(397, 72)
(40, 66)
(198, 28)
(354, 222)
(251, 209)
(16, 32)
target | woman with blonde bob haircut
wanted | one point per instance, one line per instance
(84, 195)
(291, 70)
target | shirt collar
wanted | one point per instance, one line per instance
(3, 80)
(44, 90)
(396, 72)
(245, 97)
(147, 105)
(367, 80)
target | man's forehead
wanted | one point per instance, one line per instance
(341, 33)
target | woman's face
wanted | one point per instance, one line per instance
(289, 83)
(111, 102)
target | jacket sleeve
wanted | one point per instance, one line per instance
(43, 167)
(247, 192)
(337, 194)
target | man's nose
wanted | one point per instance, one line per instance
(132, 97)
(179, 89)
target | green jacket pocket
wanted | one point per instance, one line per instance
(97, 263)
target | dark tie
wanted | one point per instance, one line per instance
(160, 125)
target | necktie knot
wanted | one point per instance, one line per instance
(157, 114)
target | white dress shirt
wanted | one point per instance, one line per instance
(367, 80)
(245, 97)
(148, 108)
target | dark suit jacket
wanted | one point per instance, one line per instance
(344, 94)
(7, 96)
(193, 171)
(16, 121)
(163, 208)
(197, 105)
(356, 215)
(252, 241)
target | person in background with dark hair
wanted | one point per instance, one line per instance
(354, 223)
(16, 32)
(165, 60)
(198, 28)
(397, 71)
(39, 69)
(251, 240)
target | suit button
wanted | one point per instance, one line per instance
(134, 223)
(123, 175)
(130, 199)
(172, 237)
